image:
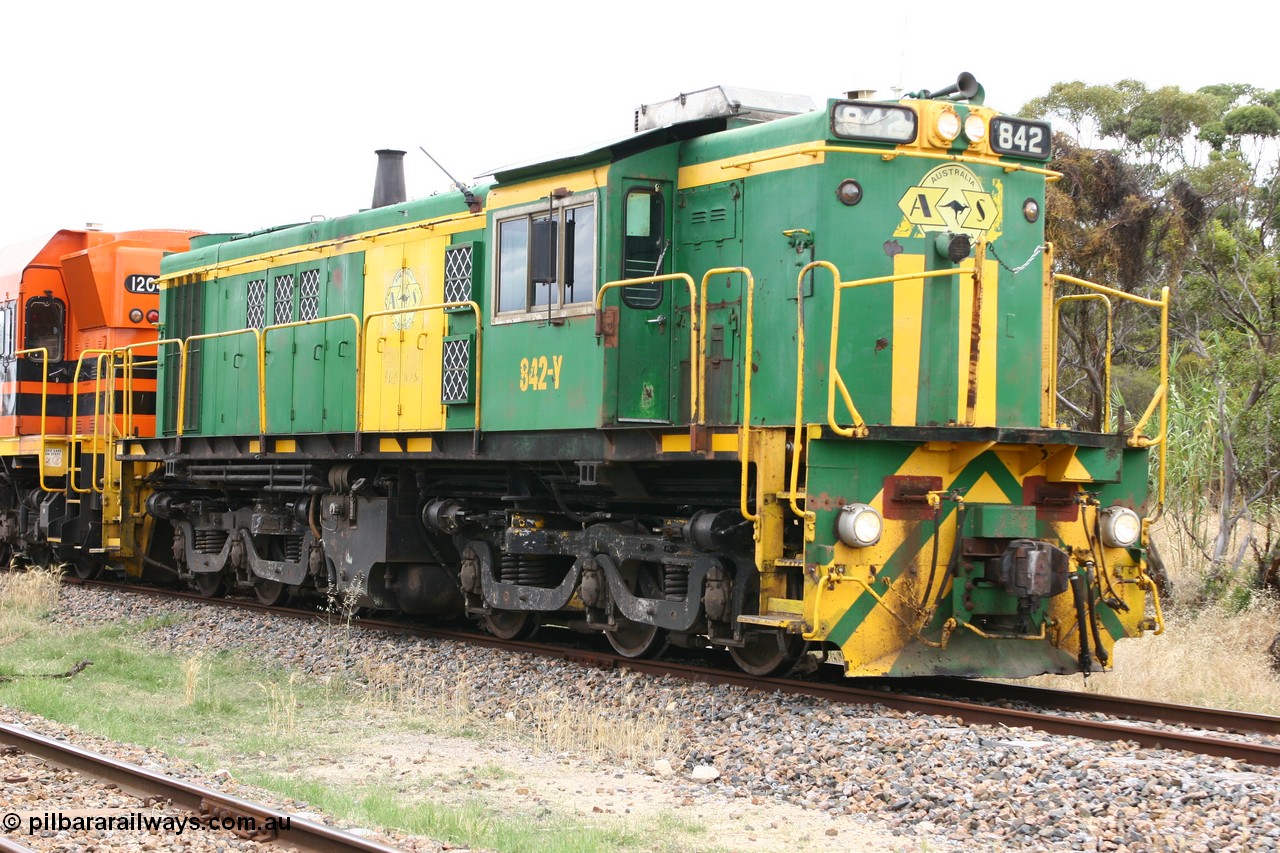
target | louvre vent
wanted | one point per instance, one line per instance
(283, 312)
(455, 384)
(458, 272)
(309, 292)
(255, 316)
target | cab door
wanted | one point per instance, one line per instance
(653, 319)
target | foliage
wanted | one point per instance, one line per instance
(1182, 189)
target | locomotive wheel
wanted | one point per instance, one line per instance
(209, 584)
(511, 624)
(86, 568)
(768, 653)
(637, 640)
(268, 592)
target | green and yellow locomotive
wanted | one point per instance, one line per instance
(762, 376)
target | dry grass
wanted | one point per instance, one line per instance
(548, 720)
(192, 671)
(562, 724)
(1215, 657)
(1213, 654)
(26, 597)
(282, 704)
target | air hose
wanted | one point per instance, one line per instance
(1080, 594)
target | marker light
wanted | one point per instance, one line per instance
(1121, 527)
(849, 192)
(136, 315)
(859, 525)
(153, 316)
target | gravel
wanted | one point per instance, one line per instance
(934, 781)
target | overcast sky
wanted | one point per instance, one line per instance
(233, 116)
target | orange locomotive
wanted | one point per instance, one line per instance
(66, 302)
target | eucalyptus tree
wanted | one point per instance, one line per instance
(1181, 188)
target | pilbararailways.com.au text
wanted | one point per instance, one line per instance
(32, 823)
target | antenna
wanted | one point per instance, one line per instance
(472, 204)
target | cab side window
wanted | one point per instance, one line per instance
(546, 260)
(45, 323)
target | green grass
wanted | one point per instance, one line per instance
(480, 822)
(219, 709)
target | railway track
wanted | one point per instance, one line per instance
(1156, 725)
(303, 835)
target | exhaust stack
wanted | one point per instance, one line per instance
(388, 185)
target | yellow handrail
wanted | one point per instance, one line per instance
(813, 151)
(794, 486)
(128, 374)
(72, 469)
(262, 354)
(438, 306)
(182, 373)
(835, 381)
(1160, 398)
(697, 344)
(1106, 375)
(744, 433)
(44, 405)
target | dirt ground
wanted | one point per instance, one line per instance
(448, 770)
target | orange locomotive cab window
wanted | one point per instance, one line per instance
(45, 326)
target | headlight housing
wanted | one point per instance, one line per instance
(859, 525)
(1121, 527)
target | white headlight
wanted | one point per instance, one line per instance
(948, 124)
(1121, 527)
(975, 128)
(859, 525)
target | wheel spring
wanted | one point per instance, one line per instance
(524, 569)
(210, 540)
(293, 549)
(675, 582)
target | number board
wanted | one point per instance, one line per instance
(1021, 138)
(141, 284)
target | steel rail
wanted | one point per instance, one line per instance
(1149, 711)
(888, 692)
(302, 834)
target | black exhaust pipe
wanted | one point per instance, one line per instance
(388, 186)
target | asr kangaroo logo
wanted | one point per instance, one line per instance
(950, 198)
(403, 292)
